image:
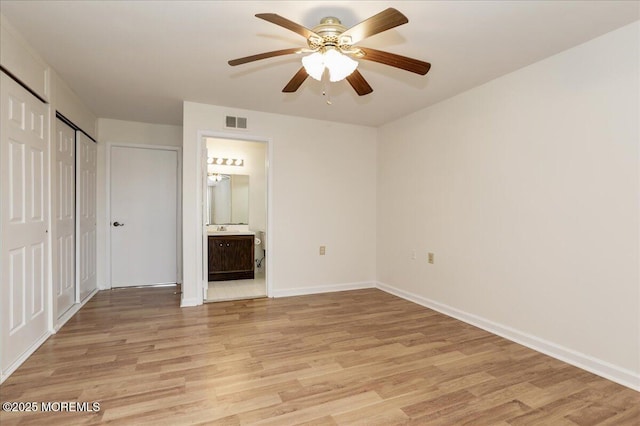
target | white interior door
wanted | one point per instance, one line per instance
(143, 204)
(24, 219)
(87, 152)
(64, 193)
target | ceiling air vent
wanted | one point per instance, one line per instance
(235, 122)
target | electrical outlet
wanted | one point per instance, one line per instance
(413, 255)
(323, 250)
(430, 257)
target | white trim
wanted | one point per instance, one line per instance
(73, 310)
(89, 296)
(76, 225)
(205, 238)
(186, 303)
(22, 358)
(52, 304)
(301, 291)
(268, 276)
(202, 281)
(107, 255)
(602, 368)
(61, 321)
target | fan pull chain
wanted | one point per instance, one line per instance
(325, 89)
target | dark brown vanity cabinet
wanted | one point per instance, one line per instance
(231, 257)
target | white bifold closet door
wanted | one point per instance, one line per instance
(24, 217)
(64, 207)
(74, 256)
(87, 153)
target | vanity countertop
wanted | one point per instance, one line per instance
(229, 233)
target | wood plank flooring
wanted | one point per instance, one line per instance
(349, 358)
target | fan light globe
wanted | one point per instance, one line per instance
(314, 65)
(340, 66)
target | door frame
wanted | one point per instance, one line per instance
(201, 265)
(178, 151)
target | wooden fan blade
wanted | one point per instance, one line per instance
(383, 21)
(296, 81)
(398, 61)
(285, 23)
(359, 84)
(265, 55)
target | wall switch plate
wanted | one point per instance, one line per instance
(430, 257)
(413, 255)
(323, 250)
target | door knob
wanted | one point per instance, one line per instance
(118, 224)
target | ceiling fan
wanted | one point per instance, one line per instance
(333, 47)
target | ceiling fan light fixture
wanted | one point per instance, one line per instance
(340, 66)
(335, 48)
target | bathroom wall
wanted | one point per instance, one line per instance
(255, 166)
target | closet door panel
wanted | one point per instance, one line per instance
(23, 223)
(64, 197)
(86, 213)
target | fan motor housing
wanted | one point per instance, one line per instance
(329, 29)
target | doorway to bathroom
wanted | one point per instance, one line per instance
(235, 219)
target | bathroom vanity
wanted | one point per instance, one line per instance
(231, 255)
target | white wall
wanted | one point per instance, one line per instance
(123, 133)
(527, 191)
(255, 166)
(69, 105)
(26, 64)
(322, 192)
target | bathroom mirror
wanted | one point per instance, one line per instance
(227, 199)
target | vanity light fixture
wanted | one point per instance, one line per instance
(225, 161)
(215, 177)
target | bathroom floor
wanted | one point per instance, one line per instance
(237, 289)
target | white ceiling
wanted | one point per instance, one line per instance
(138, 60)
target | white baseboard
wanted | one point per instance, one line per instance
(61, 321)
(301, 291)
(187, 303)
(17, 363)
(602, 368)
(73, 310)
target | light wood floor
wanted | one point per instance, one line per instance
(360, 357)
